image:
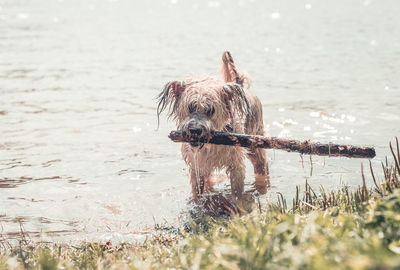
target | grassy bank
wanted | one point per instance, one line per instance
(343, 229)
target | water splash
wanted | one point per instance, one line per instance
(197, 168)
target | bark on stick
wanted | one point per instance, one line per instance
(254, 141)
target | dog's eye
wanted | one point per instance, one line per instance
(210, 111)
(191, 107)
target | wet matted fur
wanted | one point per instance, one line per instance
(201, 105)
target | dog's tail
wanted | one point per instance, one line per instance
(230, 72)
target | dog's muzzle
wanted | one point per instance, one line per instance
(196, 129)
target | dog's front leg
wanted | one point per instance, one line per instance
(258, 158)
(236, 173)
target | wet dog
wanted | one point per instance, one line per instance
(200, 106)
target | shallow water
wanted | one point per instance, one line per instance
(79, 154)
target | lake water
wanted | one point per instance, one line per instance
(79, 153)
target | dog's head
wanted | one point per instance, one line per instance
(199, 106)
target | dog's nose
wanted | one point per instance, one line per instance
(195, 131)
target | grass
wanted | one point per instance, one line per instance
(343, 229)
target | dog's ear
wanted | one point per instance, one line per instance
(230, 72)
(235, 98)
(169, 96)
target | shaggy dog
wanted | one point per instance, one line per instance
(200, 106)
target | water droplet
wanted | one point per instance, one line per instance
(372, 42)
(136, 177)
(284, 133)
(174, 1)
(136, 129)
(327, 126)
(22, 16)
(351, 118)
(275, 15)
(387, 87)
(277, 124)
(289, 122)
(213, 4)
(307, 6)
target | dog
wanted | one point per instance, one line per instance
(200, 106)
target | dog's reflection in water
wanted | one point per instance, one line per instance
(223, 203)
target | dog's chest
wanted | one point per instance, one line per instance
(219, 156)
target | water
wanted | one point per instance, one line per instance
(79, 154)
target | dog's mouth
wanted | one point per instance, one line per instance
(195, 144)
(199, 141)
(197, 135)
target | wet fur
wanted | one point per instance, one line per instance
(219, 105)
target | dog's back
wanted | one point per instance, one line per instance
(253, 122)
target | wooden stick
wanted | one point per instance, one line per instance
(254, 141)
